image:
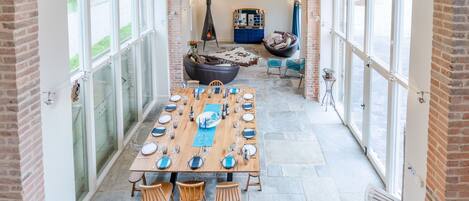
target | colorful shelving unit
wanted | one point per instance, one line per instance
(248, 24)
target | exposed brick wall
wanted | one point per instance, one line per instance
(21, 168)
(448, 140)
(176, 45)
(311, 46)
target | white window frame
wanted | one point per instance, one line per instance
(88, 67)
(395, 80)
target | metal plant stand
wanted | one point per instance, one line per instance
(328, 96)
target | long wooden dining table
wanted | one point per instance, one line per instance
(226, 137)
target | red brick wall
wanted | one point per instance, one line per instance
(177, 47)
(21, 168)
(312, 48)
(448, 140)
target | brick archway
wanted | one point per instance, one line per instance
(310, 46)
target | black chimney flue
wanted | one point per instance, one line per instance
(208, 33)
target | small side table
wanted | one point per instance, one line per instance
(328, 96)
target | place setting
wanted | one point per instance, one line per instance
(164, 162)
(158, 131)
(195, 162)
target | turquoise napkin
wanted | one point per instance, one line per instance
(164, 162)
(158, 130)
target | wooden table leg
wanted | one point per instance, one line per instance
(173, 179)
(229, 176)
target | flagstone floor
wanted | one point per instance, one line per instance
(307, 154)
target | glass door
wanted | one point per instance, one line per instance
(129, 90)
(378, 119)
(147, 73)
(104, 116)
(80, 157)
(357, 104)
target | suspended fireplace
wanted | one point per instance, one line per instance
(208, 33)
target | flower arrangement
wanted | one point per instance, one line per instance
(193, 51)
(193, 43)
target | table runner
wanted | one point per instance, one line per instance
(205, 136)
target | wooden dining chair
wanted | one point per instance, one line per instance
(135, 177)
(228, 191)
(193, 83)
(258, 183)
(216, 83)
(160, 191)
(191, 191)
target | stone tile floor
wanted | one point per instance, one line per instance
(307, 154)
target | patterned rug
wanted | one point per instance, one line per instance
(237, 55)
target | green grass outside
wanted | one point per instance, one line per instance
(125, 32)
(74, 62)
(102, 46)
(72, 5)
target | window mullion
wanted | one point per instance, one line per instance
(391, 139)
(368, 26)
(395, 39)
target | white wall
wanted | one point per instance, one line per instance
(56, 119)
(278, 16)
(417, 113)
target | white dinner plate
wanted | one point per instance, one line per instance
(175, 98)
(248, 117)
(149, 149)
(164, 119)
(248, 96)
(250, 149)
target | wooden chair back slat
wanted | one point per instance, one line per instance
(216, 83)
(152, 193)
(228, 192)
(191, 191)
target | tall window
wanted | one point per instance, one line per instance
(104, 116)
(101, 27)
(358, 23)
(79, 146)
(357, 102)
(404, 38)
(129, 89)
(74, 36)
(377, 43)
(105, 39)
(147, 77)
(125, 23)
(379, 118)
(381, 31)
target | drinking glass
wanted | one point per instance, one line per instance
(236, 124)
(175, 122)
(238, 99)
(184, 100)
(164, 149)
(180, 110)
(232, 147)
(172, 134)
(176, 149)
